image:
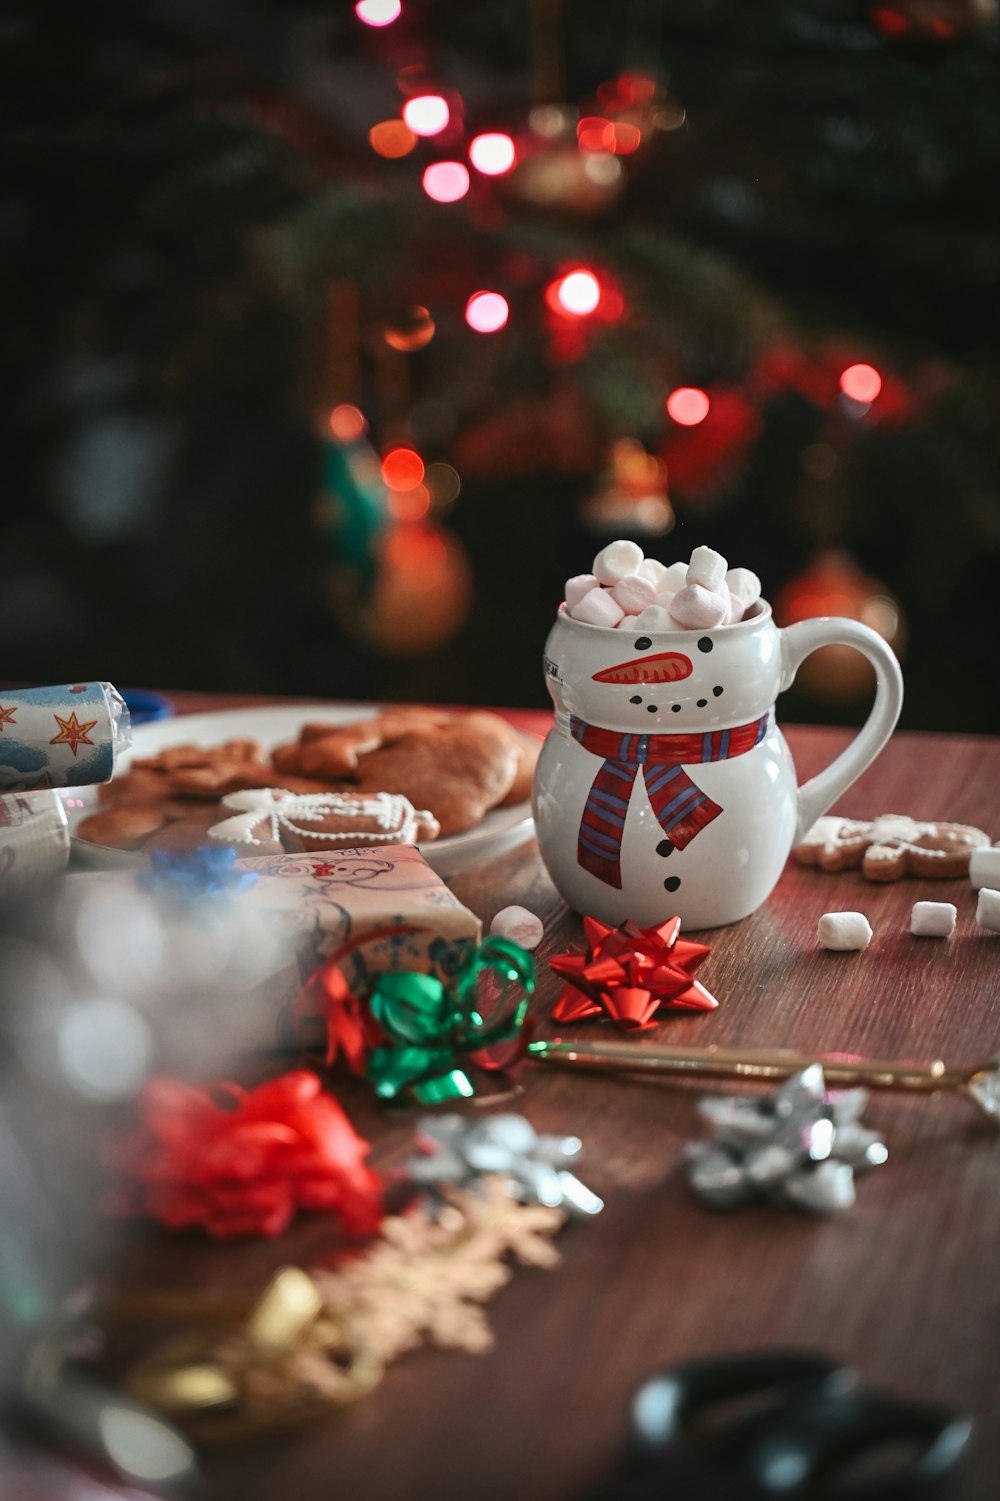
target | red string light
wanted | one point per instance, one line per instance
(688, 406)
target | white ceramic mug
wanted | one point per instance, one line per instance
(665, 785)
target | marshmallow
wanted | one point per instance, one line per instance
(984, 867)
(633, 593)
(520, 925)
(745, 585)
(933, 919)
(844, 930)
(707, 568)
(597, 607)
(577, 587)
(988, 909)
(654, 572)
(653, 618)
(666, 598)
(698, 609)
(676, 578)
(617, 561)
(735, 606)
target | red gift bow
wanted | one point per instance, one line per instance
(629, 973)
(245, 1170)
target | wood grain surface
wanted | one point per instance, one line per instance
(905, 1285)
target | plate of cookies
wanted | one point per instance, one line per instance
(301, 777)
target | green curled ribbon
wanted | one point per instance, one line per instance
(432, 1026)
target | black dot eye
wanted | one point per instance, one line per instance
(665, 847)
(651, 708)
(635, 699)
(705, 643)
(675, 708)
(717, 690)
(643, 643)
(671, 883)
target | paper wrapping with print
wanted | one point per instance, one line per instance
(34, 838)
(383, 899)
(67, 736)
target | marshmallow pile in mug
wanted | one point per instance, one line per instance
(626, 589)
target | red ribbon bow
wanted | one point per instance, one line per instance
(245, 1166)
(629, 973)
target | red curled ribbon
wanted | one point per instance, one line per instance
(244, 1167)
(629, 973)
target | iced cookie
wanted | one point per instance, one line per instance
(891, 846)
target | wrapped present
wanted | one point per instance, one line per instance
(34, 838)
(381, 907)
(67, 736)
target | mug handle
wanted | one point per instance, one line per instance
(806, 636)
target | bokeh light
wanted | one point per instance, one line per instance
(410, 505)
(392, 139)
(578, 293)
(426, 114)
(378, 12)
(486, 312)
(861, 383)
(492, 153)
(402, 469)
(410, 332)
(444, 483)
(347, 422)
(688, 406)
(446, 182)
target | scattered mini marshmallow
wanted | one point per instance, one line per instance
(633, 593)
(933, 919)
(844, 930)
(617, 561)
(598, 607)
(745, 585)
(984, 867)
(520, 925)
(654, 572)
(577, 587)
(696, 608)
(652, 618)
(707, 568)
(988, 909)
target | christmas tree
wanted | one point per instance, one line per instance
(342, 335)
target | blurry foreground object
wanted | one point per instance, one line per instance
(783, 1423)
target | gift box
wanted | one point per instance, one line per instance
(374, 908)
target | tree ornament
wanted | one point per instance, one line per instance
(833, 584)
(632, 494)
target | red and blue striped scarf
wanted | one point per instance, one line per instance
(681, 808)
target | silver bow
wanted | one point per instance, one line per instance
(455, 1149)
(800, 1146)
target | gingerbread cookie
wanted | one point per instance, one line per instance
(458, 770)
(891, 846)
(266, 822)
(126, 827)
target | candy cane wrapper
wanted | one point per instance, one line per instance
(34, 839)
(67, 736)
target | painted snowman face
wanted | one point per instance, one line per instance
(664, 682)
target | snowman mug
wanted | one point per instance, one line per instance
(665, 786)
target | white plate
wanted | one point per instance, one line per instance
(502, 829)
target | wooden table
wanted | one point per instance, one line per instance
(904, 1285)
